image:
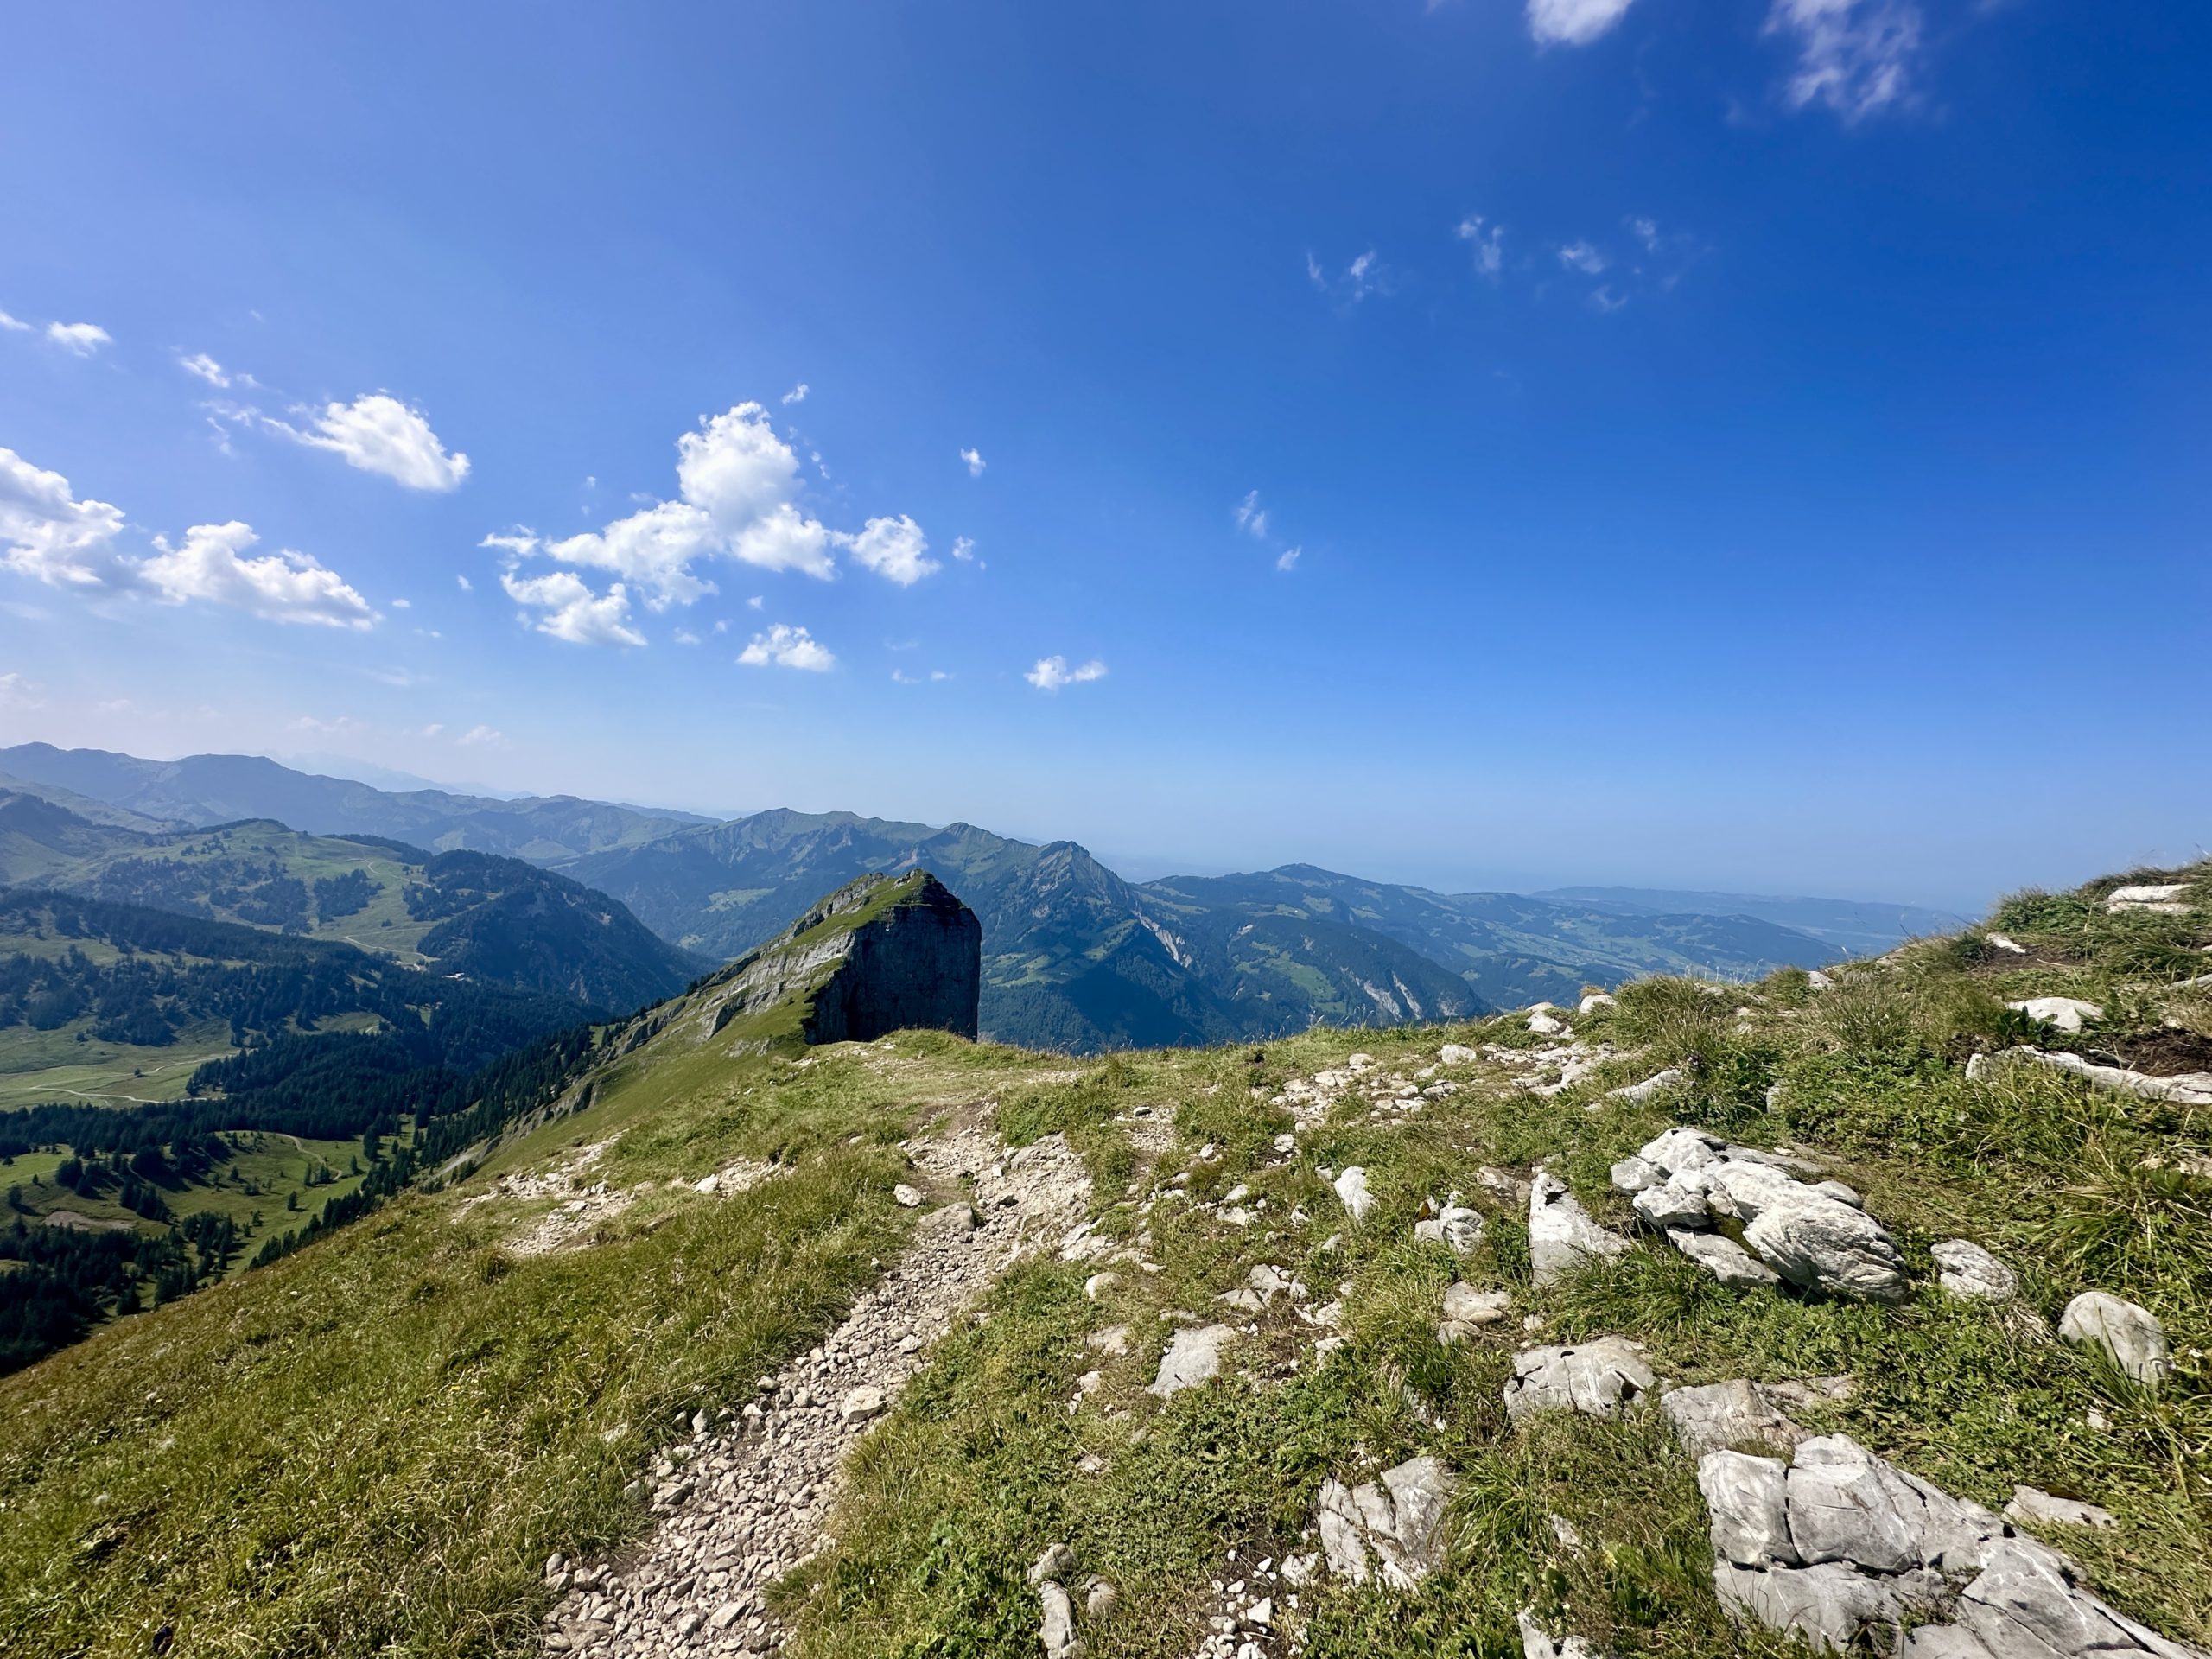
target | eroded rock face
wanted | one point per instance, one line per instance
(871, 966)
(1839, 1544)
(1399, 1518)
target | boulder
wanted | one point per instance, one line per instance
(1399, 1518)
(1562, 1236)
(2163, 897)
(2129, 1333)
(1193, 1357)
(1966, 1269)
(1595, 1379)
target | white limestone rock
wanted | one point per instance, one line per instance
(2165, 898)
(1193, 1357)
(1352, 1193)
(1466, 1310)
(1724, 1258)
(2128, 1332)
(1399, 1519)
(1562, 1236)
(1598, 1379)
(2066, 1013)
(2032, 1504)
(1967, 1270)
(1637, 1093)
(1718, 1416)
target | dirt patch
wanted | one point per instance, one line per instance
(2165, 1053)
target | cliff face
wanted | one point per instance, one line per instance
(880, 955)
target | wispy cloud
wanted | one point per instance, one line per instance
(976, 462)
(1487, 242)
(796, 394)
(205, 367)
(13, 325)
(1583, 257)
(1855, 57)
(1364, 276)
(1053, 672)
(1573, 23)
(1251, 517)
(1287, 560)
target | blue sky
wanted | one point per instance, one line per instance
(1756, 445)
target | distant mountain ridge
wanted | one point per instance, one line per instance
(208, 789)
(1074, 956)
(1856, 927)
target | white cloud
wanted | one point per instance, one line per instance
(796, 394)
(1488, 242)
(787, 647)
(901, 677)
(81, 338)
(434, 728)
(378, 434)
(1365, 274)
(1853, 56)
(282, 586)
(753, 604)
(1607, 300)
(12, 325)
(16, 692)
(1053, 672)
(205, 367)
(1573, 22)
(467, 586)
(477, 737)
(50, 535)
(403, 604)
(893, 549)
(963, 548)
(1288, 560)
(976, 462)
(1581, 256)
(1251, 517)
(1645, 231)
(572, 611)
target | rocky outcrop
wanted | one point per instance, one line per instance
(1400, 1517)
(879, 954)
(1838, 1545)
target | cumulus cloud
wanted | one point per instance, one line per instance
(1488, 243)
(211, 565)
(82, 338)
(570, 611)
(204, 368)
(976, 462)
(1573, 23)
(796, 394)
(378, 434)
(737, 489)
(1251, 517)
(1853, 56)
(1582, 257)
(785, 647)
(50, 536)
(893, 549)
(1053, 672)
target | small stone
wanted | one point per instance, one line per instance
(906, 1197)
(1098, 1284)
(1466, 1310)
(2065, 1013)
(1100, 1599)
(1261, 1613)
(1352, 1191)
(1457, 1054)
(860, 1404)
(1193, 1357)
(1595, 1379)
(1057, 1561)
(1969, 1271)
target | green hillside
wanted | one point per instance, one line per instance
(528, 1361)
(495, 919)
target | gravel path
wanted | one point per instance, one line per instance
(742, 1504)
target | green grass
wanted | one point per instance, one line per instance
(371, 1447)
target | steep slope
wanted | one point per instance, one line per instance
(500, 920)
(210, 789)
(1248, 1322)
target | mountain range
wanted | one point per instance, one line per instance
(1075, 956)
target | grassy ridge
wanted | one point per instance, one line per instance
(371, 1447)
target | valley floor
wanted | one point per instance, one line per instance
(647, 1361)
